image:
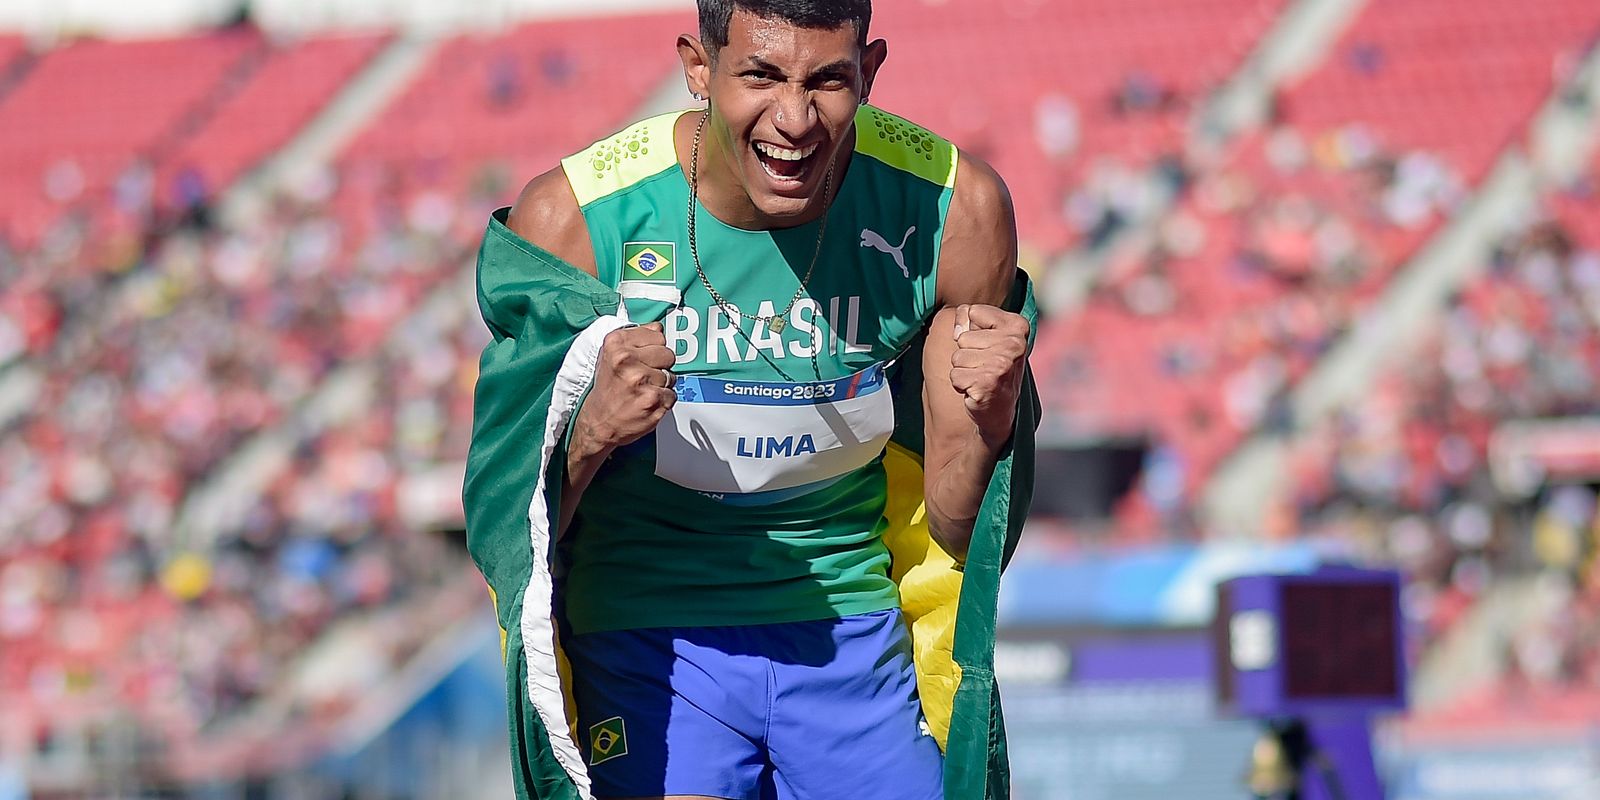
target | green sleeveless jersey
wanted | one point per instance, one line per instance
(760, 498)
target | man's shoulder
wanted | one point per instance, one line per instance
(912, 148)
(978, 250)
(550, 210)
(623, 159)
(980, 240)
(982, 192)
(548, 215)
(906, 146)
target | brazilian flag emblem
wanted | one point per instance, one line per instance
(649, 261)
(608, 739)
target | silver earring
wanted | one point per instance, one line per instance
(698, 96)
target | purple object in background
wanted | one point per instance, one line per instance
(1345, 744)
(1171, 657)
(1300, 645)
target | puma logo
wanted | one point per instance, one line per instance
(871, 238)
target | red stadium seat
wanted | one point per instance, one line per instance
(291, 84)
(103, 104)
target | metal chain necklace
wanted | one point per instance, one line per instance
(776, 322)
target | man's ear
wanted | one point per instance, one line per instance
(696, 65)
(871, 59)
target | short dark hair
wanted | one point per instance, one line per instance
(824, 14)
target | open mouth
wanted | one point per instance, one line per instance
(788, 167)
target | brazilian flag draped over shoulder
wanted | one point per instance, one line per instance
(548, 320)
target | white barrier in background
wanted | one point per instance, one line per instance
(117, 18)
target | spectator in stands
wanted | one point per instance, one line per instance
(134, 191)
(191, 199)
(1365, 58)
(1055, 126)
(63, 181)
(1112, 196)
(1141, 93)
(556, 66)
(505, 80)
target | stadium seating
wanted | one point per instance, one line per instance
(1195, 340)
(1047, 91)
(104, 104)
(1415, 70)
(511, 104)
(290, 85)
(12, 51)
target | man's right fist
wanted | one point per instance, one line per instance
(632, 389)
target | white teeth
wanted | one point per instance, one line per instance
(784, 153)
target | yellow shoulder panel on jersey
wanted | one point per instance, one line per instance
(905, 146)
(617, 162)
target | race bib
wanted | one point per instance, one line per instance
(761, 441)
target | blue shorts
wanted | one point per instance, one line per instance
(791, 711)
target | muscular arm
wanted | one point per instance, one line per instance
(547, 214)
(965, 429)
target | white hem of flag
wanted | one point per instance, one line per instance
(538, 629)
(646, 290)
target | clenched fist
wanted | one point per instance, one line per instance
(986, 367)
(632, 389)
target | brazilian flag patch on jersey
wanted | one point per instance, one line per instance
(649, 261)
(608, 739)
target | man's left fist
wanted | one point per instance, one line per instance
(986, 367)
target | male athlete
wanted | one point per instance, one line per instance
(727, 609)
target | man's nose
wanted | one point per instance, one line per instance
(795, 113)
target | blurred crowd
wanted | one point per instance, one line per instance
(168, 343)
(1409, 472)
(1196, 331)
